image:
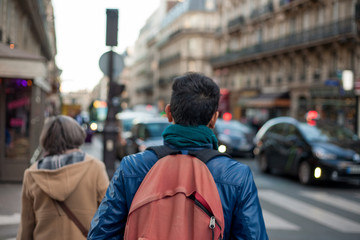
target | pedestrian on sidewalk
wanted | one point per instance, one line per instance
(65, 179)
(193, 110)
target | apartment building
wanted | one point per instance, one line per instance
(286, 57)
(179, 37)
(29, 83)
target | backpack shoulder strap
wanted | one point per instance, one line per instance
(204, 154)
(207, 154)
(162, 151)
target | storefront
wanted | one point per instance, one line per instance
(334, 104)
(23, 92)
(258, 109)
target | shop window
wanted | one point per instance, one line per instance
(17, 118)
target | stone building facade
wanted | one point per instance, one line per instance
(29, 83)
(271, 57)
(286, 57)
(179, 37)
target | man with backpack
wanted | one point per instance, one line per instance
(173, 196)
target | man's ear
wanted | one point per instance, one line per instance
(168, 113)
(213, 120)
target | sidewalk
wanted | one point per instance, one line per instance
(10, 195)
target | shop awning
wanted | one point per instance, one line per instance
(15, 63)
(266, 100)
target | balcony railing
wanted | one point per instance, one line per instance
(198, 30)
(236, 21)
(258, 12)
(284, 2)
(334, 29)
(148, 89)
(171, 58)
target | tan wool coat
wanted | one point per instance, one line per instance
(80, 185)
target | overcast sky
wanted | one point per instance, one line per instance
(80, 36)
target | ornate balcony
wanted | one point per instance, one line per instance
(303, 38)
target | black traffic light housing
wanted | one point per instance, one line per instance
(112, 16)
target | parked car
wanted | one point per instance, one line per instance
(126, 121)
(235, 138)
(146, 133)
(312, 152)
(127, 117)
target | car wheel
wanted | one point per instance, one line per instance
(263, 163)
(305, 173)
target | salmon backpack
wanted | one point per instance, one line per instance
(178, 199)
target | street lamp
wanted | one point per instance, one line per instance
(348, 80)
(348, 85)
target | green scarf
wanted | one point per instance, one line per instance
(190, 136)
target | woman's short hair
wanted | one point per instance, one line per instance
(61, 133)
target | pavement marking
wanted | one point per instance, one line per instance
(10, 219)
(274, 222)
(308, 211)
(335, 201)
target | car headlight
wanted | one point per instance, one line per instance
(323, 154)
(93, 126)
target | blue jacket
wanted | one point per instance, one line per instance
(237, 190)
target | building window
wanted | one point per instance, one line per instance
(259, 34)
(290, 78)
(210, 5)
(257, 82)
(292, 23)
(334, 61)
(304, 69)
(17, 118)
(268, 80)
(320, 17)
(318, 70)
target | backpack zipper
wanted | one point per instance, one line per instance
(212, 217)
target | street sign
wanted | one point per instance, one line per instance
(118, 63)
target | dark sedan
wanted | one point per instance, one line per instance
(311, 152)
(146, 133)
(235, 138)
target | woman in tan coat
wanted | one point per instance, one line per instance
(65, 174)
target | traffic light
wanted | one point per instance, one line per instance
(112, 16)
(116, 89)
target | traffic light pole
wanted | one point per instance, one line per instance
(111, 131)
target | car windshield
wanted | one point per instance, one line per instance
(127, 124)
(155, 130)
(326, 133)
(232, 127)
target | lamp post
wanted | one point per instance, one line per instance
(347, 78)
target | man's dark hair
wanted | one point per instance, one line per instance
(194, 99)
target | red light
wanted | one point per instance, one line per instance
(311, 115)
(227, 116)
(149, 107)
